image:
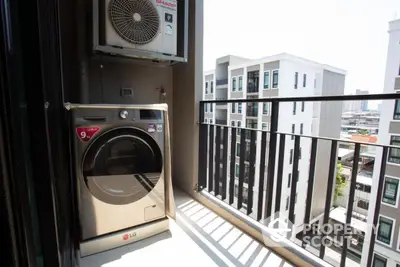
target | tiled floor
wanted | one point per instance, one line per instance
(198, 238)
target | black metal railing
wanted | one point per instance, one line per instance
(272, 145)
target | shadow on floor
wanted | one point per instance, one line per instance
(221, 241)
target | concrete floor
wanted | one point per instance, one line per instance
(198, 238)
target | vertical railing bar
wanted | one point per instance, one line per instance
(241, 167)
(352, 191)
(281, 158)
(211, 160)
(329, 191)
(224, 163)
(295, 176)
(203, 136)
(310, 187)
(377, 204)
(271, 157)
(217, 160)
(251, 171)
(232, 167)
(261, 176)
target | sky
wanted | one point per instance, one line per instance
(348, 34)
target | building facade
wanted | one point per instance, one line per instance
(387, 244)
(280, 75)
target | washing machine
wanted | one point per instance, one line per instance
(119, 169)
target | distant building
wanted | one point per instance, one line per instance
(364, 103)
(356, 106)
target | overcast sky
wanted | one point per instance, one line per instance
(348, 34)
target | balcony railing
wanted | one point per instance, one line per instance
(266, 188)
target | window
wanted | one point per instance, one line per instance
(266, 108)
(296, 79)
(301, 128)
(237, 170)
(206, 120)
(303, 106)
(233, 84)
(293, 130)
(233, 105)
(275, 79)
(390, 191)
(264, 126)
(291, 156)
(315, 83)
(385, 230)
(205, 107)
(240, 108)
(211, 86)
(304, 80)
(294, 108)
(396, 115)
(394, 153)
(379, 261)
(237, 150)
(266, 80)
(289, 180)
(211, 107)
(287, 203)
(240, 83)
(211, 121)
(363, 204)
(206, 87)
(233, 123)
(239, 124)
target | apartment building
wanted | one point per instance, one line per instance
(282, 75)
(387, 245)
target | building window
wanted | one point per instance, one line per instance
(240, 83)
(233, 84)
(205, 107)
(264, 126)
(266, 108)
(211, 87)
(296, 79)
(301, 128)
(294, 108)
(385, 230)
(289, 180)
(240, 108)
(206, 120)
(303, 106)
(394, 153)
(233, 123)
(379, 261)
(315, 83)
(237, 150)
(291, 156)
(211, 121)
(239, 125)
(206, 87)
(211, 107)
(304, 80)
(237, 170)
(287, 203)
(293, 130)
(233, 106)
(396, 115)
(390, 191)
(275, 79)
(363, 204)
(266, 80)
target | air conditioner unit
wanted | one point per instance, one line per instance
(147, 25)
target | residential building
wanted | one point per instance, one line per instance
(360, 122)
(387, 244)
(356, 106)
(364, 103)
(286, 75)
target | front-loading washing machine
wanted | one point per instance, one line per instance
(119, 169)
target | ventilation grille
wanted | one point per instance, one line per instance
(136, 21)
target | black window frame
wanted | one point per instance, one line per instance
(380, 258)
(267, 85)
(289, 180)
(301, 128)
(291, 156)
(384, 239)
(393, 142)
(386, 199)
(240, 83)
(294, 107)
(233, 84)
(303, 104)
(293, 131)
(275, 83)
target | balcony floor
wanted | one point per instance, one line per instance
(198, 238)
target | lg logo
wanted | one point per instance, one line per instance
(128, 236)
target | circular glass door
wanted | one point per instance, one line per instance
(122, 166)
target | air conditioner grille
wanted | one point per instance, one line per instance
(137, 21)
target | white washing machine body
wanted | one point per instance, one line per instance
(119, 167)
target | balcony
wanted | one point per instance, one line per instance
(223, 81)
(267, 188)
(252, 111)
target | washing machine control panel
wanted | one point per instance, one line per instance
(123, 114)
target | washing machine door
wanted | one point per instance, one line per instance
(122, 166)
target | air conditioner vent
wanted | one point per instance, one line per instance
(136, 21)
